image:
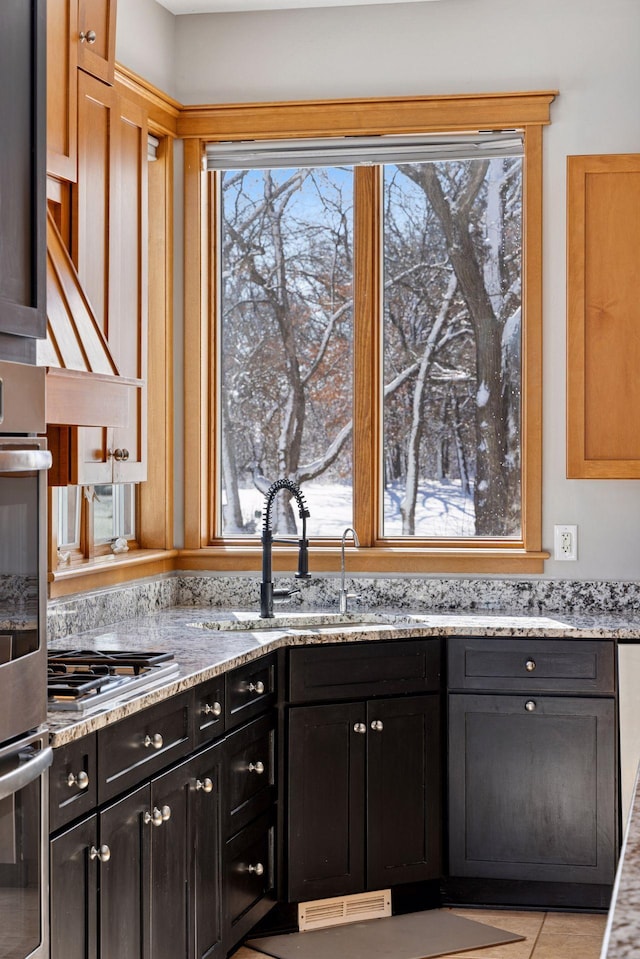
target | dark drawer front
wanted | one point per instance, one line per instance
(531, 665)
(249, 764)
(358, 670)
(209, 710)
(248, 870)
(73, 783)
(142, 744)
(250, 690)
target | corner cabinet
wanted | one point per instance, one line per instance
(22, 175)
(603, 317)
(532, 770)
(364, 779)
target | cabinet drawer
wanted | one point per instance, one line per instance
(358, 670)
(73, 783)
(209, 710)
(250, 690)
(531, 665)
(248, 873)
(249, 764)
(142, 744)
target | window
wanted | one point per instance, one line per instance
(370, 339)
(90, 519)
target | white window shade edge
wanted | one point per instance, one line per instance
(358, 151)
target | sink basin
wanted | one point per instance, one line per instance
(249, 622)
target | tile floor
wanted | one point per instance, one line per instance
(549, 935)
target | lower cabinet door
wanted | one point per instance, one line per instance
(403, 790)
(532, 787)
(171, 851)
(73, 892)
(204, 787)
(124, 896)
(326, 792)
(248, 871)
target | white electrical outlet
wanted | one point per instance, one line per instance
(565, 542)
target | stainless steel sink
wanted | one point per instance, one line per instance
(248, 622)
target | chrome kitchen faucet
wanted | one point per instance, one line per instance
(344, 595)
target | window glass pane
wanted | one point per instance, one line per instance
(114, 512)
(452, 349)
(286, 345)
(103, 525)
(69, 517)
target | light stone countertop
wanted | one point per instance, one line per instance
(622, 936)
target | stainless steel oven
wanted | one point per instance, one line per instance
(24, 751)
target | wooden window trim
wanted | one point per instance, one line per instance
(527, 111)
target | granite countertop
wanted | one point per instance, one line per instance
(202, 653)
(623, 926)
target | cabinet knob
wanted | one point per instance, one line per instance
(158, 816)
(120, 455)
(377, 725)
(165, 812)
(257, 870)
(530, 665)
(359, 728)
(88, 36)
(81, 780)
(530, 705)
(210, 710)
(256, 768)
(206, 785)
(258, 687)
(156, 741)
(103, 854)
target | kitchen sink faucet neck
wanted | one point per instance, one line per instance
(268, 594)
(345, 596)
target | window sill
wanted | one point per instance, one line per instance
(110, 570)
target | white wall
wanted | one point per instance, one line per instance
(146, 41)
(586, 49)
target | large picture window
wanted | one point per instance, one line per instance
(374, 324)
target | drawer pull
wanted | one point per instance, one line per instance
(88, 36)
(81, 780)
(210, 710)
(103, 854)
(156, 741)
(258, 687)
(530, 706)
(377, 725)
(206, 785)
(258, 869)
(359, 728)
(530, 665)
(158, 816)
(257, 768)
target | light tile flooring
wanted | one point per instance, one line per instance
(549, 935)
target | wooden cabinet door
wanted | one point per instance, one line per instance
(73, 892)
(124, 879)
(170, 857)
(403, 790)
(603, 317)
(532, 787)
(326, 800)
(205, 883)
(23, 168)
(62, 88)
(96, 37)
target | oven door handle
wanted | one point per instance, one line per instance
(23, 461)
(26, 773)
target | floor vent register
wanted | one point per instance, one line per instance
(322, 913)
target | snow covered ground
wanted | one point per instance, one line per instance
(441, 509)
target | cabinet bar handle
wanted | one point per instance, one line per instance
(81, 780)
(214, 710)
(206, 785)
(359, 728)
(258, 869)
(256, 768)
(530, 665)
(377, 725)
(88, 36)
(530, 705)
(258, 687)
(103, 854)
(156, 741)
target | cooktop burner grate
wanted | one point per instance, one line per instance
(81, 680)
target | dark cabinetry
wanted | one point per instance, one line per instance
(22, 176)
(363, 775)
(532, 765)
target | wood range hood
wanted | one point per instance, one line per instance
(83, 384)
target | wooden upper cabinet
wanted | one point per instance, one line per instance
(96, 37)
(22, 168)
(603, 317)
(62, 88)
